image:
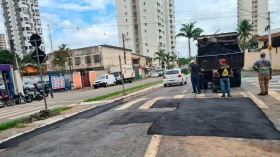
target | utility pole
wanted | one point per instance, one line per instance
(14, 56)
(122, 74)
(50, 35)
(269, 37)
(124, 39)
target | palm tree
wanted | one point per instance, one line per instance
(61, 56)
(160, 55)
(244, 29)
(189, 31)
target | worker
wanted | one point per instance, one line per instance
(224, 72)
(195, 69)
(264, 69)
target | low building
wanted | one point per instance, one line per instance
(251, 55)
(142, 65)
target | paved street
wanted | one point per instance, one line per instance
(166, 122)
(62, 99)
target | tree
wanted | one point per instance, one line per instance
(27, 59)
(244, 29)
(160, 55)
(253, 43)
(61, 56)
(6, 57)
(189, 31)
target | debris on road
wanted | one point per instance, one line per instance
(43, 114)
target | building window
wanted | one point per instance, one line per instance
(144, 3)
(125, 13)
(126, 20)
(145, 31)
(147, 50)
(70, 61)
(145, 10)
(96, 58)
(125, 6)
(127, 33)
(77, 61)
(87, 60)
(146, 24)
(146, 44)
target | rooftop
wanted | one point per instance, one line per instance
(265, 37)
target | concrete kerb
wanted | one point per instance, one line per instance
(126, 96)
(54, 120)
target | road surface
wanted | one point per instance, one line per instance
(168, 121)
(62, 99)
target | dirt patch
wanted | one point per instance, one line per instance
(42, 115)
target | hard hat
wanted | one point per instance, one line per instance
(262, 54)
(192, 61)
(223, 60)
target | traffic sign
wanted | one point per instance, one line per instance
(41, 55)
(270, 48)
(35, 40)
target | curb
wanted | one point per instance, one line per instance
(126, 96)
(82, 103)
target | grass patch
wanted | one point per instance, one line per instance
(13, 124)
(60, 109)
(120, 92)
(244, 76)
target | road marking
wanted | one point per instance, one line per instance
(184, 92)
(9, 115)
(259, 103)
(33, 112)
(275, 95)
(148, 104)
(179, 96)
(18, 110)
(153, 146)
(127, 105)
(244, 95)
(200, 95)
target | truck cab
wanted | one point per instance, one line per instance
(212, 48)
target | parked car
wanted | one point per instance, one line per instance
(160, 72)
(155, 74)
(174, 76)
(104, 80)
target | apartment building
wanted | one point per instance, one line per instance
(22, 19)
(148, 25)
(256, 11)
(2, 42)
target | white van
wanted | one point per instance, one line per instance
(104, 80)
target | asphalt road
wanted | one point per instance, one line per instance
(127, 128)
(63, 99)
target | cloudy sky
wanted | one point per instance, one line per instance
(92, 22)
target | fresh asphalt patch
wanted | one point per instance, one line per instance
(136, 117)
(167, 103)
(235, 117)
(83, 115)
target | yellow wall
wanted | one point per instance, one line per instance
(251, 57)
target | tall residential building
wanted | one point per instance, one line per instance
(22, 19)
(2, 42)
(256, 11)
(149, 25)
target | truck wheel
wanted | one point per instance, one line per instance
(165, 85)
(95, 87)
(130, 81)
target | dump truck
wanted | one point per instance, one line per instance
(212, 48)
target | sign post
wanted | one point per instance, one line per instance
(39, 56)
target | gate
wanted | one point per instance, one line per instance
(85, 79)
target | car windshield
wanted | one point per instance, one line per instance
(116, 74)
(171, 72)
(101, 77)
